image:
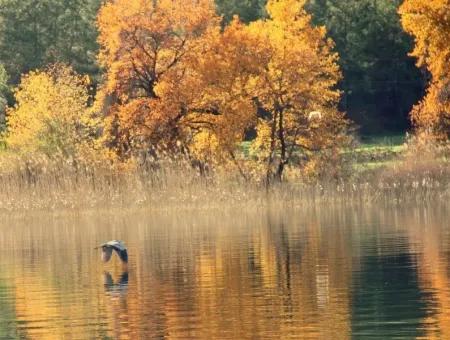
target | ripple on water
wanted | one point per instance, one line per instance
(285, 275)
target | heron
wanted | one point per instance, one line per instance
(118, 247)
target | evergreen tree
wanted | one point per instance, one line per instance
(247, 10)
(381, 82)
(36, 33)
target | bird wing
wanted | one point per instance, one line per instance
(107, 280)
(119, 248)
(123, 254)
(106, 254)
(116, 245)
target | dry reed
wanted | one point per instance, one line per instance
(38, 182)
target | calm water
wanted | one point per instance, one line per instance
(324, 274)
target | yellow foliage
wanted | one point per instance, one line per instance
(429, 22)
(260, 146)
(299, 75)
(51, 113)
(150, 50)
(204, 146)
(174, 75)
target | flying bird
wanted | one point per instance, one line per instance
(118, 247)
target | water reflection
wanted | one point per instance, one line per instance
(333, 273)
(117, 304)
(118, 289)
(387, 299)
(431, 243)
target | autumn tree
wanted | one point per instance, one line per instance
(174, 76)
(168, 76)
(51, 114)
(299, 76)
(429, 23)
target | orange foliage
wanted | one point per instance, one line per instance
(299, 76)
(174, 76)
(150, 51)
(429, 22)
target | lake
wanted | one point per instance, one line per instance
(323, 273)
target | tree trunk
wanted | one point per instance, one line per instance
(273, 143)
(283, 156)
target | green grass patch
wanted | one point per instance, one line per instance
(394, 143)
(376, 152)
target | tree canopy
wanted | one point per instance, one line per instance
(36, 33)
(279, 77)
(300, 76)
(51, 114)
(429, 23)
(149, 50)
(380, 82)
(174, 76)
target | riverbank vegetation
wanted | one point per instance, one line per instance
(185, 106)
(40, 182)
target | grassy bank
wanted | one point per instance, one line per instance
(379, 151)
(30, 183)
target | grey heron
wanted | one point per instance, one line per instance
(118, 247)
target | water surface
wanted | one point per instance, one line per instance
(335, 273)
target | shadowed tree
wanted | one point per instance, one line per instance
(247, 10)
(381, 83)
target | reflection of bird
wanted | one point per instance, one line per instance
(118, 246)
(116, 289)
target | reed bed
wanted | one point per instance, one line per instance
(41, 183)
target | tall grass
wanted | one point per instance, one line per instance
(39, 182)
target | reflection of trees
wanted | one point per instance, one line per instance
(8, 329)
(229, 276)
(46, 311)
(387, 298)
(430, 240)
(52, 276)
(285, 281)
(219, 275)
